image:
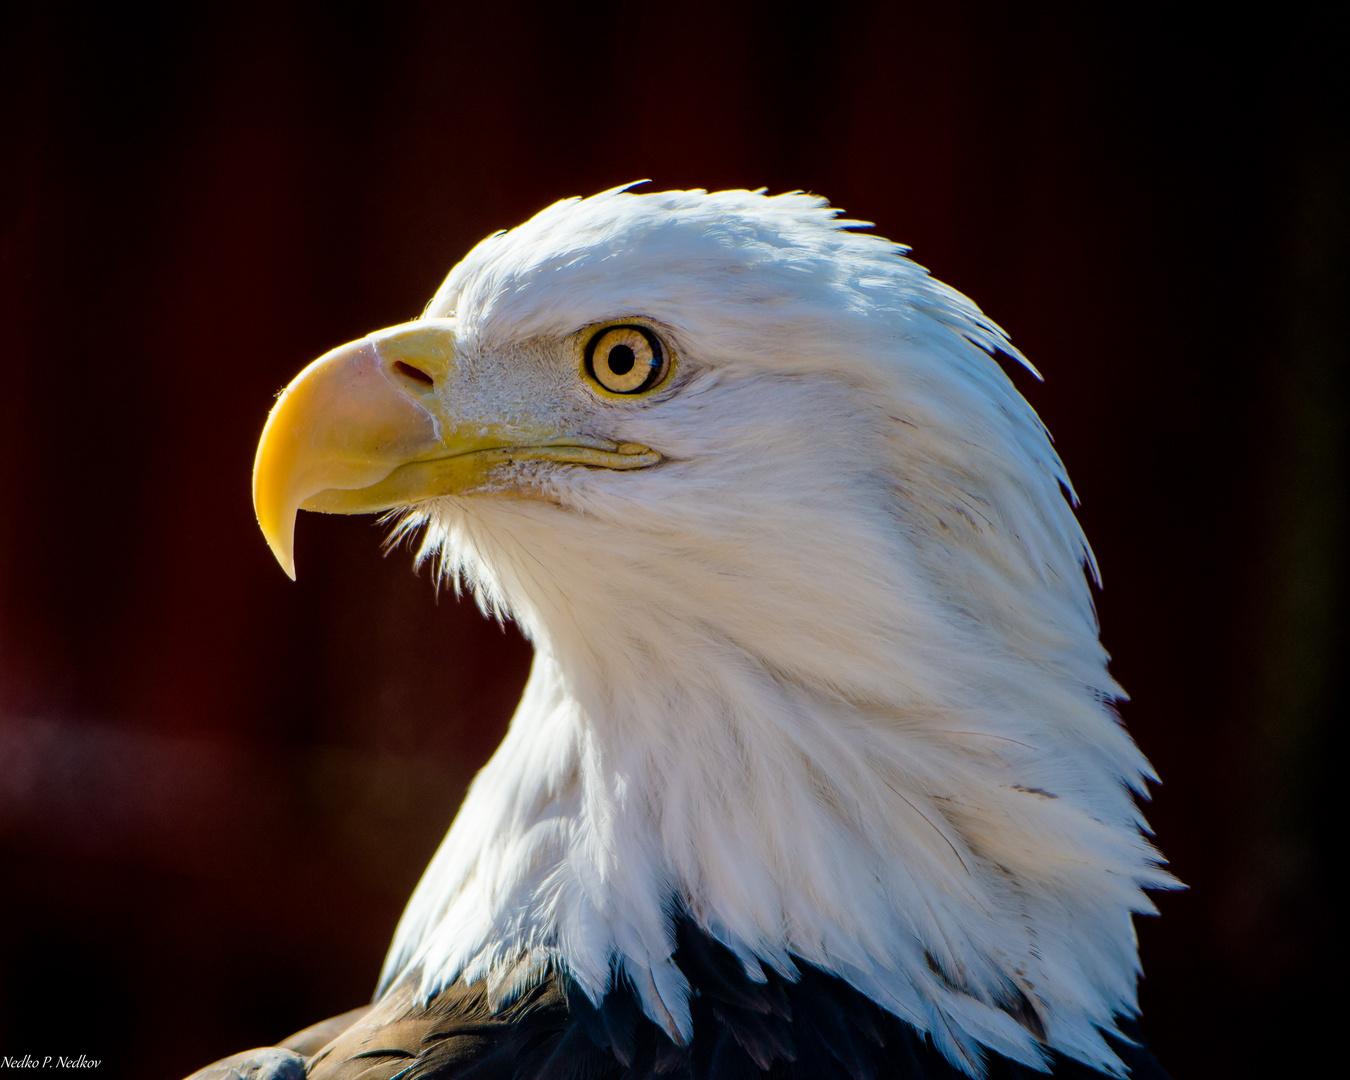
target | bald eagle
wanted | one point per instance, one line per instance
(817, 772)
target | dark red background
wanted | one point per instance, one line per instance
(217, 788)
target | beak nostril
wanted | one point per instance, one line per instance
(416, 374)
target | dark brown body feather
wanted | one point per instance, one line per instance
(817, 1027)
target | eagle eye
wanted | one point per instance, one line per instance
(626, 359)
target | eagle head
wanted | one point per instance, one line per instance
(817, 667)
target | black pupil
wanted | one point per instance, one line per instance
(621, 359)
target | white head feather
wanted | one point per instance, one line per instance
(828, 677)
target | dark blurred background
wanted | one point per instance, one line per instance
(217, 788)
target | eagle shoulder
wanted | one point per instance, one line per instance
(814, 1027)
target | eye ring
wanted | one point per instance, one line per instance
(626, 359)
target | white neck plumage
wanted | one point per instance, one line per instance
(898, 790)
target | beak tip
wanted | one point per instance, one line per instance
(285, 556)
(285, 559)
(281, 542)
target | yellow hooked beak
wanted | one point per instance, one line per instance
(369, 427)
